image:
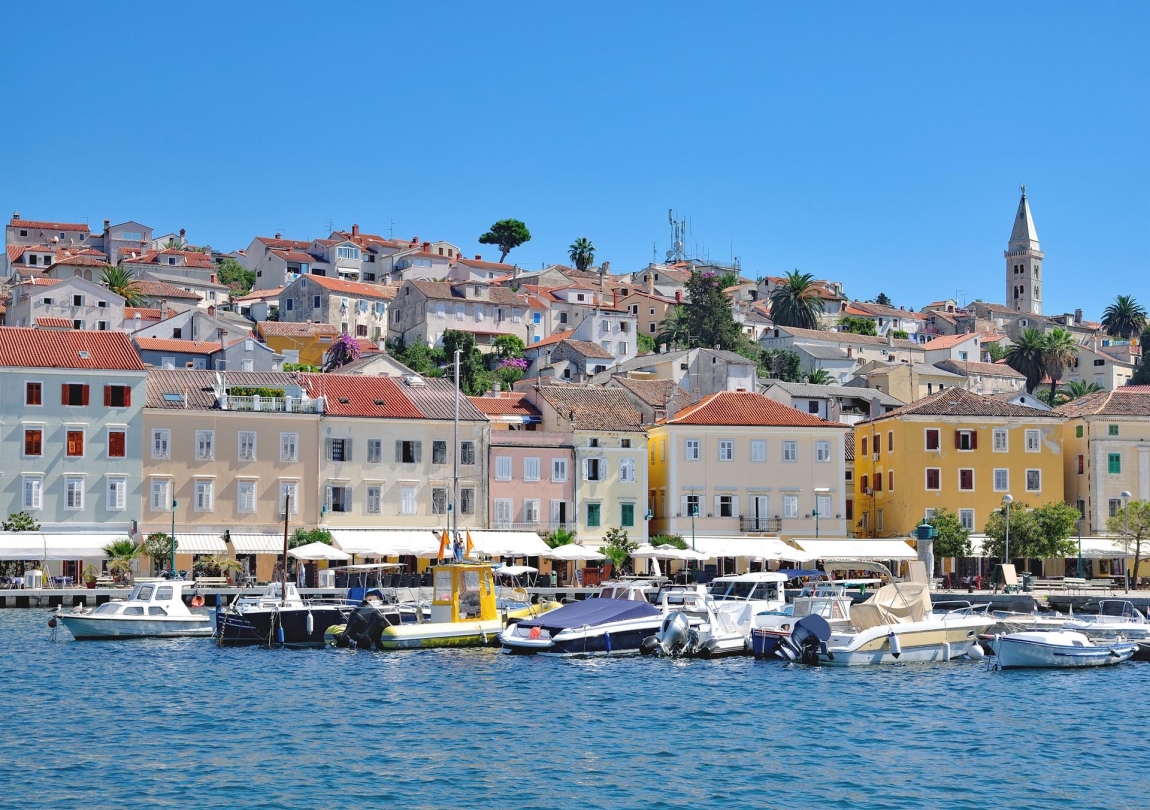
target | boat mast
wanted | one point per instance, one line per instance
(283, 570)
(455, 461)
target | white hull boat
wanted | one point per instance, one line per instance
(154, 610)
(1057, 649)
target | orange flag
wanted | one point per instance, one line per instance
(470, 546)
(443, 542)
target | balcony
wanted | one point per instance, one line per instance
(272, 404)
(543, 526)
(770, 525)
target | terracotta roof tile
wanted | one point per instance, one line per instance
(259, 295)
(54, 323)
(352, 288)
(849, 445)
(556, 338)
(653, 392)
(78, 349)
(744, 409)
(354, 395)
(161, 289)
(593, 408)
(296, 256)
(435, 398)
(33, 224)
(960, 402)
(443, 290)
(967, 368)
(586, 348)
(293, 329)
(287, 244)
(482, 265)
(151, 344)
(950, 341)
(200, 385)
(844, 337)
(1119, 402)
(505, 404)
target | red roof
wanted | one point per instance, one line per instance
(338, 285)
(556, 338)
(79, 349)
(257, 295)
(48, 226)
(163, 289)
(507, 268)
(146, 314)
(505, 404)
(51, 322)
(295, 256)
(950, 341)
(354, 395)
(173, 345)
(294, 329)
(289, 244)
(745, 408)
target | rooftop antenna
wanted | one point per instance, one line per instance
(330, 224)
(391, 228)
(678, 238)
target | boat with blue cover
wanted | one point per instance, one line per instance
(615, 621)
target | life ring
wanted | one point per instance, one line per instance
(197, 600)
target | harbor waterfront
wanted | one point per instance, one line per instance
(167, 723)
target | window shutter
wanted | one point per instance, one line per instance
(957, 439)
(327, 453)
(327, 498)
(735, 505)
(64, 394)
(418, 452)
(398, 450)
(717, 506)
(347, 499)
(107, 396)
(602, 469)
(84, 401)
(585, 467)
(127, 396)
(683, 506)
(974, 440)
(347, 452)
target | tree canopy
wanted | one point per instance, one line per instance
(1125, 318)
(675, 329)
(582, 253)
(882, 299)
(1059, 352)
(1131, 535)
(1027, 356)
(857, 326)
(952, 539)
(796, 302)
(710, 321)
(236, 277)
(473, 376)
(508, 234)
(343, 350)
(781, 364)
(122, 282)
(1034, 533)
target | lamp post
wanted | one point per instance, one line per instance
(1008, 500)
(1126, 540)
(172, 561)
(815, 511)
(1080, 546)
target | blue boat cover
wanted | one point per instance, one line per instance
(592, 612)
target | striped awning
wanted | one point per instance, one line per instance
(192, 543)
(257, 543)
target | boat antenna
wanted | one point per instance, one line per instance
(283, 569)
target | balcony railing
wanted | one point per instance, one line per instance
(760, 524)
(542, 526)
(273, 404)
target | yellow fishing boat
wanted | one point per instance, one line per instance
(463, 612)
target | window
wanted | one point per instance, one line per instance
(247, 445)
(77, 300)
(339, 499)
(864, 446)
(813, 406)
(246, 497)
(205, 446)
(822, 451)
(558, 469)
(594, 469)
(74, 492)
(289, 447)
(890, 479)
(374, 451)
(503, 468)
(467, 453)
(691, 449)
(726, 450)
(878, 482)
(627, 515)
(204, 496)
(790, 450)
(931, 440)
(1115, 507)
(117, 396)
(161, 443)
(877, 443)
(1001, 444)
(409, 452)
(606, 344)
(467, 501)
(33, 393)
(965, 440)
(1112, 430)
(33, 491)
(1078, 431)
(531, 469)
(790, 506)
(878, 522)
(439, 452)
(117, 443)
(459, 312)
(758, 450)
(1001, 480)
(966, 480)
(1034, 480)
(439, 500)
(594, 512)
(73, 394)
(1033, 441)
(117, 499)
(289, 491)
(161, 499)
(75, 443)
(1081, 464)
(933, 479)
(33, 442)
(626, 469)
(531, 510)
(503, 512)
(890, 441)
(347, 252)
(864, 481)
(1114, 463)
(339, 449)
(725, 506)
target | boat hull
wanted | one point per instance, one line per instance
(624, 638)
(91, 628)
(441, 634)
(262, 626)
(918, 642)
(1015, 653)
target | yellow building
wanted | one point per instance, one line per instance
(310, 341)
(958, 450)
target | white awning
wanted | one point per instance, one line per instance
(572, 551)
(257, 543)
(766, 548)
(856, 549)
(200, 543)
(507, 544)
(318, 551)
(387, 542)
(55, 546)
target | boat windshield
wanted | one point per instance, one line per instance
(731, 591)
(143, 593)
(164, 593)
(108, 609)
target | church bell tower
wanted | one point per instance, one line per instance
(1024, 260)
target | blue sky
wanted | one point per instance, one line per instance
(878, 144)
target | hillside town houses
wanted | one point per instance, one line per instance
(197, 407)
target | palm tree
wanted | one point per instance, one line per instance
(675, 330)
(819, 376)
(1125, 318)
(796, 302)
(582, 253)
(1027, 356)
(1077, 389)
(122, 282)
(1060, 350)
(120, 554)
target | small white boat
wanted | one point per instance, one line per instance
(1057, 648)
(153, 610)
(693, 626)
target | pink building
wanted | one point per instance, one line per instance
(533, 480)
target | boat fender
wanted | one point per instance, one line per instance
(197, 600)
(946, 651)
(648, 646)
(280, 634)
(607, 641)
(310, 623)
(975, 653)
(52, 622)
(895, 644)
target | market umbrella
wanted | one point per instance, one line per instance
(573, 551)
(318, 551)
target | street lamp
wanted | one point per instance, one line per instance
(815, 511)
(1126, 539)
(172, 561)
(1008, 500)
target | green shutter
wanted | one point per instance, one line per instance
(1114, 463)
(1078, 432)
(628, 516)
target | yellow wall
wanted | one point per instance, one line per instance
(905, 506)
(311, 350)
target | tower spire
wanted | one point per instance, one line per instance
(1024, 258)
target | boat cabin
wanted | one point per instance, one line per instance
(463, 592)
(631, 591)
(762, 586)
(152, 599)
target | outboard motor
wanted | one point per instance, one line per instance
(806, 641)
(674, 635)
(365, 624)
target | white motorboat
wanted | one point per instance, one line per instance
(1116, 618)
(615, 621)
(829, 600)
(152, 610)
(1057, 648)
(693, 625)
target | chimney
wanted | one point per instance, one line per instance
(478, 257)
(678, 296)
(615, 302)
(277, 236)
(355, 230)
(514, 272)
(163, 309)
(426, 247)
(415, 240)
(182, 232)
(387, 279)
(16, 215)
(1078, 316)
(107, 224)
(890, 337)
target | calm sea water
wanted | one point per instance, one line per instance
(182, 723)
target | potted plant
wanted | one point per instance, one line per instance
(90, 576)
